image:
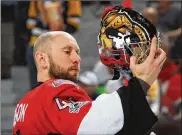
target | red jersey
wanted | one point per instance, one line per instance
(168, 71)
(57, 106)
(61, 107)
(173, 93)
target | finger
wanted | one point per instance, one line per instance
(132, 62)
(162, 63)
(160, 58)
(158, 52)
(152, 49)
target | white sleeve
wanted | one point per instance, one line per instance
(104, 117)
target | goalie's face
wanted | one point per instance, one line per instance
(121, 37)
(64, 59)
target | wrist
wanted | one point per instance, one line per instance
(145, 86)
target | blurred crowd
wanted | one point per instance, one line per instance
(26, 20)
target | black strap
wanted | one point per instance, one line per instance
(116, 75)
(138, 116)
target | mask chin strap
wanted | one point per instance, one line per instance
(116, 75)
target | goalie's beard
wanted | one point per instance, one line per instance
(57, 72)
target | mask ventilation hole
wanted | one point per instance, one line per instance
(117, 57)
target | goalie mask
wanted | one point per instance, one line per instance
(124, 33)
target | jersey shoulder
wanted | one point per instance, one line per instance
(61, 87)
(58, 84)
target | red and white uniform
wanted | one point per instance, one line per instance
(61, 107)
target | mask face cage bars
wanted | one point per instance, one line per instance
(140, 58)
(124, 52)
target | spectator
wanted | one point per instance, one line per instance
(104, 74)
(169, 68)
(171, 24)
(7, 38)
(47, 16)
(149, 3)
(152, 15)
(21, 33)
(88, 81)
(171, 99)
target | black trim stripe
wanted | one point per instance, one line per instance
(138, 116)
